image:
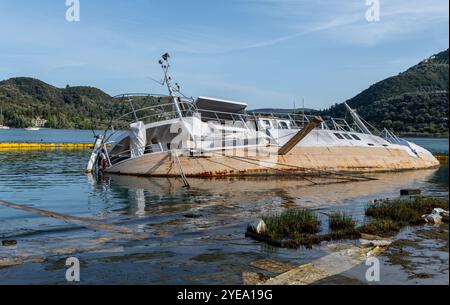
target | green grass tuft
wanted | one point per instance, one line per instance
(340, 221)
(381, 227)
(406, 210)
(292, 223)
(295, 228)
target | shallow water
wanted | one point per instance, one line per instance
(183, 236)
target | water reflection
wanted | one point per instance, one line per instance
(438, 183)
(137, 202)
(196, 235)
(168, 194)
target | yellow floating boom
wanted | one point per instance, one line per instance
(44, 146)
(442, 158)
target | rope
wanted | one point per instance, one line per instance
(180, 167)
(85, 222)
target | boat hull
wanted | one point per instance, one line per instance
(240, 162)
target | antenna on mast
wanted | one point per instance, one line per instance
(165, 65)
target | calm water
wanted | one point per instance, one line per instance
(191, 236)
(48, 136)
(86, 136)
(436, 146)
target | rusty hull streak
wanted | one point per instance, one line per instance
(309, 161)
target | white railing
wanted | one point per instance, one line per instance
(164, 109)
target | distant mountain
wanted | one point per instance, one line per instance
(413, 102)
(22, 99)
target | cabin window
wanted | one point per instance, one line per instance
(283, 125)
(370, 144)
(339, 136)
(266, 123)
(356, 137)
(148, 150)
(347, 136)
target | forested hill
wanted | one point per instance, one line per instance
(23, 99)
(413, 102)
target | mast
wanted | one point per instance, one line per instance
(357, 119)
(164, 62)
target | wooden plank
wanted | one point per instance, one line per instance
(343, 257)
(316, 121)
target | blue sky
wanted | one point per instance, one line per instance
(268, 53)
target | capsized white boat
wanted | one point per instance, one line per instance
(208, 137)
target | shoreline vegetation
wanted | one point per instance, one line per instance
(296, 228)
(400, 134)
(413, 103)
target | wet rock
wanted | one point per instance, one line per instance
(253, 278)
(378, 200)
(259, 226)
(9, 262)
(410, 192)
(272, 266)
(9, 243)
(420, 276)
(161, 233)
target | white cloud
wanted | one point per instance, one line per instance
(399, 19)
(342, 21)
(345, 21)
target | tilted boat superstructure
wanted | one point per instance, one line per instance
(206, 137)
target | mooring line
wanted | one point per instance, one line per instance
(180, 167)
(84, 222)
